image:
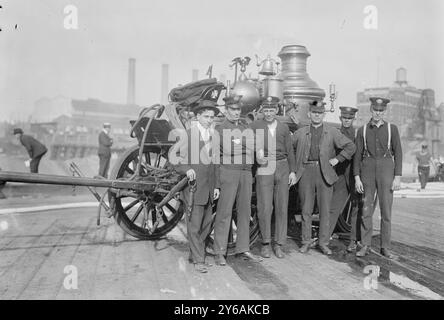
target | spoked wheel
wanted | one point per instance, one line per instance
(136, 214)
(232, 234)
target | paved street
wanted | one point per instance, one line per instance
(42, 251)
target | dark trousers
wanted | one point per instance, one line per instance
(312, 186)
(104, 165)
(35, 162)
(235, 185)
(377, 177)
(198, 229)
(423, 173)
(269, 188)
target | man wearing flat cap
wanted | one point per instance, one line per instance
(236, 160)
(104, 152)
(316, 156)
(345, 187)
(199, 166)
(35, 148)
(377, 167)
(277, 156)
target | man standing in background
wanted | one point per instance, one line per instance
(36, 149)
(345, 187)
(105, 143)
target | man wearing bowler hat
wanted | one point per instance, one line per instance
(35, 148)
(275, 173)
(315, 146)
(344, 187)
(377, 167)
(236, 160)
(197, 163)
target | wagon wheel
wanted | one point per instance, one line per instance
(137, 215)
(231, 245)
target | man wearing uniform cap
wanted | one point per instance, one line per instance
(315, 146)
(236, 180)
(344, 187)
(35, 148)
(204, 171)
(277, 156)
(377, 167)
(104, 152)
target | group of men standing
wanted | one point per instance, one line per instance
(329, 166)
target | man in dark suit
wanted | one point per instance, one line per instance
(196, 160)
(36, 149)
(316, 158)
(276, 172)
(377, 167)
(345, 186)
(104, 152)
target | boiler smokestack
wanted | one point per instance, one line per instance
(131, 93)
(164, 88)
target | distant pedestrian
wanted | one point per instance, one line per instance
(105, 143)
(36, 149)
(424, 160)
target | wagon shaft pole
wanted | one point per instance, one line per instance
(75, 181)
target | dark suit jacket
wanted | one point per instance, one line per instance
(34, 147)
(105, 143)
(331, 138)
(344, 168)
(207, 175)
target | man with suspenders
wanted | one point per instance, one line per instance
(377, 167)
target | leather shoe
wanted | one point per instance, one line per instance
(362, 252)
(200, 267)
(278, 251)
(247, 255)
(351, 246)
(325, 250)
(305, 248)
(265, 251)
(219, 259)
(386, 253)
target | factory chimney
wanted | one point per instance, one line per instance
(164, 80)
(131, 92)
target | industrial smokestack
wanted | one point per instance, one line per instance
(195, 75)
(164, 89)
(131, 93)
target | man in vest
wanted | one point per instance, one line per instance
(344, 187)
(275, 173)
(36, 149)
(377, 167)
(316, 157)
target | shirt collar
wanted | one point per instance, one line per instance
(372, 124)
(202, 130)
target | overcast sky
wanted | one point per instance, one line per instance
(42, 59)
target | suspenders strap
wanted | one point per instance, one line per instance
(364, 131)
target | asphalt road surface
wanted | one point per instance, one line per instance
(62, 254)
